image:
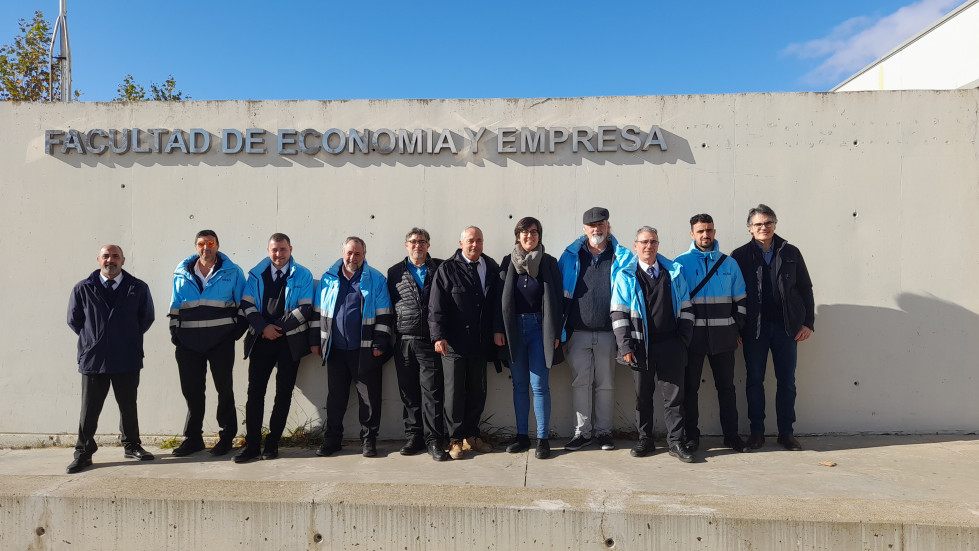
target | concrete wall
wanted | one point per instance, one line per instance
(942, 57)
(879, 190)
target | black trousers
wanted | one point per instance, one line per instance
(342, 368)
(192, 366)
(465, 394)
(265, 356)
(722, 366)
(667, 364)
(95, 388)
(420, 383)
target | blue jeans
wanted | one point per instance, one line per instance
(783, 347)
(528, 371)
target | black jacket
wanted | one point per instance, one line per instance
(790, 280)
(458, 312)
(110, 340)
(506, 318)
(409, 302)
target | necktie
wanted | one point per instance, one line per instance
(475, 273)
(651, 271)
(110, 284)
(278, 274)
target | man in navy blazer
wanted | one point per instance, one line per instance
(109, 311)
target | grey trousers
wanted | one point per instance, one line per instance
(591, 356)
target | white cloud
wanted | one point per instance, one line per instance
(858, 41)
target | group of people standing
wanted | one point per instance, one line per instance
(444, 321)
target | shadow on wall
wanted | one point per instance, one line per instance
(887, 370)
(678, 150)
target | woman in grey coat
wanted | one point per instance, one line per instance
(528, 327)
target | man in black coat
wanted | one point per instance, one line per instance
(781, 314)
(460, 318)
(109, 311)
(418, 367)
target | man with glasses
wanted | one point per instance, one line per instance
(717, 293)
(204, 325)
(653, 320)
(588, 266)
(781, 314)
(418, 367)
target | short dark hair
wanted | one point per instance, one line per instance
(417, 231)
(764, 210)
(280, 237)
(702, 218)
(524, 224)
(207, 233)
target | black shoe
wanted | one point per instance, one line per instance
(370, 447)
(543, 449)
(223, 446)
(414, 445)
(520, 444)
(735, 443)
(136, 451)
(271, 452)
(681, 453)
(188, 446)
(756, 441)
(577, 443)
(789, 442)
(79, 464)
(246, 455)
(605, 441)
(644, 447)
(329, 448)
(438, 453)
(692, 445)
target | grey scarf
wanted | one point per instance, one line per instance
(527, 263)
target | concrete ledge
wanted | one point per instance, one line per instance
(591, 499)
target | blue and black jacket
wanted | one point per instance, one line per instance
(629, 309)
(299, 291)
(201, 317)
(719, 307)
(377, 315)
(570, 266)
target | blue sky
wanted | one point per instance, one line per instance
(351, 50)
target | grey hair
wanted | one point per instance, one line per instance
(417, 231)
(646, 229)
(467, 228)
(764, 210)
(358, 240)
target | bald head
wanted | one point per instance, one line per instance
(110, 260)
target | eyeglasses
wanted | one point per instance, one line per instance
(761, 225)
(207, 243)
(417, 242)
(645, 242)
(532, 233)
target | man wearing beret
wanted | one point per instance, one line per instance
(588, 266)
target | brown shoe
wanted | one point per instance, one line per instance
(455, 449)
(756, 441)
(789, 442)
(476, 444)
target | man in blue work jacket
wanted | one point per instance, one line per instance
(351, 331)
(278, 303)
(204, 325)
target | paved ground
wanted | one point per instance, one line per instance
(931, 468)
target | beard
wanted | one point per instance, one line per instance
(596, 239)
